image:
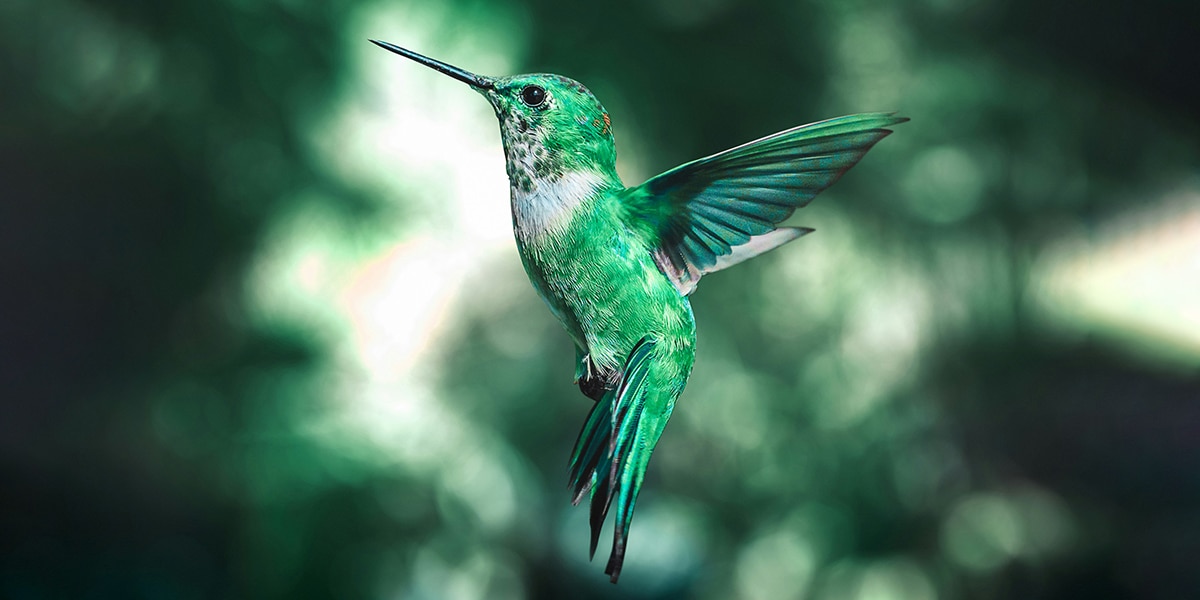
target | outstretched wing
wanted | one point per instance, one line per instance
(715, 212)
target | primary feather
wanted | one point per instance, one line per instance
(704, 210)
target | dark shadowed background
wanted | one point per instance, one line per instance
(264, 332)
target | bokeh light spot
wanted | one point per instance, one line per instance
(944, 185)
(983, 532)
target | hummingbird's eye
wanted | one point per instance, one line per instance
(533, 95)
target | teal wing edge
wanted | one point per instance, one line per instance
(715, 212)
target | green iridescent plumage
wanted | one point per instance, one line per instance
(615, 264)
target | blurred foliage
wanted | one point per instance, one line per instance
(216, 384)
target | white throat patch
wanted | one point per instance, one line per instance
(550, 204)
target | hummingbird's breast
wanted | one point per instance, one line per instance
(543, 206)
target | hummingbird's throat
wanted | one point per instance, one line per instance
(527, 159)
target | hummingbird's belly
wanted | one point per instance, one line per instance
(606, 290)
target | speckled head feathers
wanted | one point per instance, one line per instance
(550, 125)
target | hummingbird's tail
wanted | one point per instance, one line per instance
(614, 447)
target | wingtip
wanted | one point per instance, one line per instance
(883, 119)
(896, 119)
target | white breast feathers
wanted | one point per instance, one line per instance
(549, 204)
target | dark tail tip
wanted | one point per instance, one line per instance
(615, 561)
(599, 510)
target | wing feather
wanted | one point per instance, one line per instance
(699, 214)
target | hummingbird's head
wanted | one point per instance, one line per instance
(550, 125)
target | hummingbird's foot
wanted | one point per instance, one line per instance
(593, 387)
(589, 380)
(583, 370)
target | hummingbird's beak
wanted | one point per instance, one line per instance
(479, 82)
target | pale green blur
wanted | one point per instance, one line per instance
(279, 343)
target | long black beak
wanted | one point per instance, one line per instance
(478, 82)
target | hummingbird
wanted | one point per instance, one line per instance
(616, 264)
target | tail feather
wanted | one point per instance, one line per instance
(598, 511)
(635, 471)
(587, 455)
(616, 484)
(613, 450)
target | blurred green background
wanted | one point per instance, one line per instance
(265, 334)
